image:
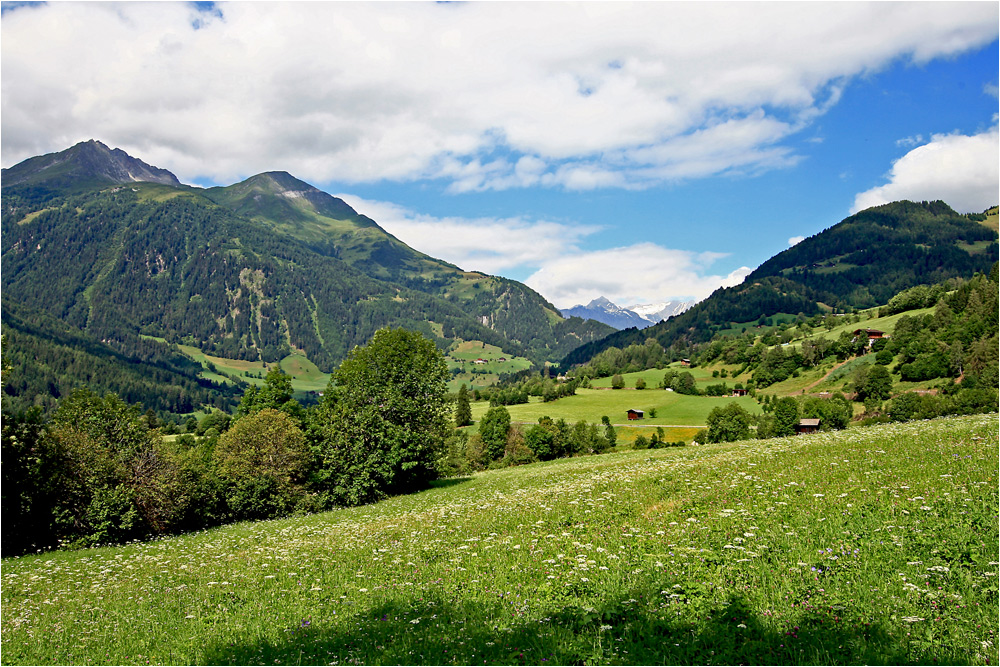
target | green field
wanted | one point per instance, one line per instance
(463, 355)
(592, 404)
(304, 373)
(869, 546)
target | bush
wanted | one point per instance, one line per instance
(262, 460)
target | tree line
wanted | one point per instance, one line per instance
(97, 469)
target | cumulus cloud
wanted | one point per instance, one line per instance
(550, 251)
(645, 272)
(795, 240)
(481, 95)
(961, 170)
(494, 246)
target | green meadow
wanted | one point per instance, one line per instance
(672, 409)
(868, 546)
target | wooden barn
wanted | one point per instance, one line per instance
(807, 426)
(635, 414)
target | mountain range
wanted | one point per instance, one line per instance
(860, 262)
(109, 264)
(129, 257)
(639, 316)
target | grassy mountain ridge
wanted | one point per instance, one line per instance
(861, 262)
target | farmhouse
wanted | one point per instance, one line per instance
(739, 392)
(807, 426)
(870, 334)
(635, 414)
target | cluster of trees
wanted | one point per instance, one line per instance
(655, 441)
(518, 388)
(781, 415)
(635, 357)
(97, 470)
(500, 444)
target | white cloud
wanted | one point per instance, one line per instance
(643, 273)
(963, 171)
(795, 240)
(491, 245)
(483, 95)
(560, 270)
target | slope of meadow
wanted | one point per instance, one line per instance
(874, 545)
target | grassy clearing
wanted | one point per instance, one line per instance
(871, 546)
(306, 376)
(464, 354)
(592, 404)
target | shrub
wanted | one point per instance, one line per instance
(262, 460)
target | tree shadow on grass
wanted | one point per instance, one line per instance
(448, 482)
(432, 631)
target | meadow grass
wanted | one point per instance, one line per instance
(592, 404)
(873, 545)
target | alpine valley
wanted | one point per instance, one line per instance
(118, 277)
(108, 258)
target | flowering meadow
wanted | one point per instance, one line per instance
(872, 545)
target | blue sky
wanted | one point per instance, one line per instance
(643, 152)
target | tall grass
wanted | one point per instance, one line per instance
(874, 545)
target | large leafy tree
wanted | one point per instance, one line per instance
(786, 416)
(728, 424)
(493, 429)
(388, 423)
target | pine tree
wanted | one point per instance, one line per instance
(463, 412)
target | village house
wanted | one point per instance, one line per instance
(870, 334)
(739, 392)
(635, 414)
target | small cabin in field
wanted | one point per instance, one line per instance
(739, 392)
(685, 362)
(635, 414)
(807, 426)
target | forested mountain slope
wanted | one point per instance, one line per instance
(119, 249)
(859, 263)
(329, 226)
(45, 359)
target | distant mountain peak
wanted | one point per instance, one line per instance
(604, 310)
(87, 163)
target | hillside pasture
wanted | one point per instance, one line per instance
(592, 404)
(463, 356)
(870, 546)
(306, 376)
